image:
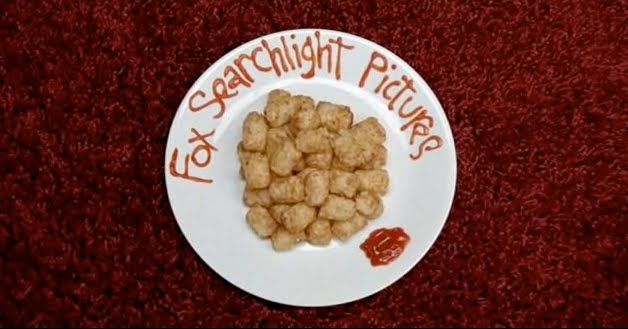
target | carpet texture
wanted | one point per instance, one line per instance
(536, 93)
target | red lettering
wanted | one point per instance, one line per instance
(311, 57)
(236, 80)
(257, 66)
(387, 88)
(253, 59)
(373, 65)
(408, 85)
(185, 174)
(205, 146)
(403, 106)
(425, 147)
(341, 46)
(285, 49)
(297, 54)
(220, 92)
(407, 115)
(419, 129)
(195, 108)
(273, 54)
(381, 84)
(319, 52)
(422, 115)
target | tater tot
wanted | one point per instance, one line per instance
(287, 190)
(334, 117)
(254, 132)
(369, 130)
(343, 139)
(279, 108)
(331, 136)
(306, 116)
(345, 229)
(260, 221)
(299, 236)
(319, 232)
(274, 177)
(379, 158)
(303, 173)
(299, 166)
(337, 165)
(312, 141)
(282, 240)
(316, 187)
(303, 103)
(369, 204)
(277, 211)
(298, 217)
(351, 151)
(337, 208)
(343, 183)
(319, 160)
(285, 158)
(259, 197)
(242, 153)
(256, 171)
(241, 172)
(375, 181)
(275, 138)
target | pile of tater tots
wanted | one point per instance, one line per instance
(311, 173)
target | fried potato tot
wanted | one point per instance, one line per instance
(337, 208)
(260, 221)
(254, 132)
(345, 229)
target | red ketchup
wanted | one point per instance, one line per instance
(384, 245)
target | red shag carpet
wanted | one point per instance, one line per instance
(536, 93)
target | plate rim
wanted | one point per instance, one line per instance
(429, 93)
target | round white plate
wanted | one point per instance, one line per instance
(205, 190)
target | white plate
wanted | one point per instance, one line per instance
(207, 203)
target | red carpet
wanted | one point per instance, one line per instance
(536, 93)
